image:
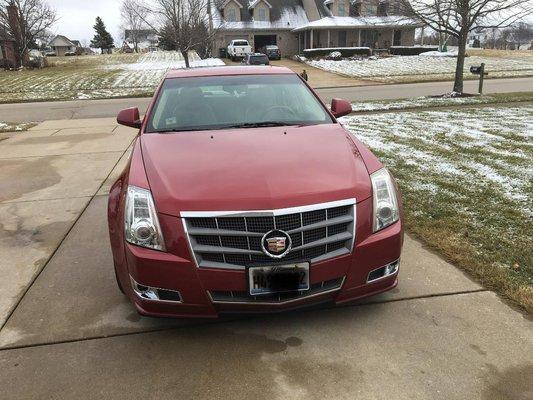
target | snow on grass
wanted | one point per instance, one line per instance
(467, 183)
(91, 77)
(432, 102)
(402, 68)
(11, 127)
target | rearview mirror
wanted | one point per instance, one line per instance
(130, 117)
(340, 108)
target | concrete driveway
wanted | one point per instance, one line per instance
(66, 332)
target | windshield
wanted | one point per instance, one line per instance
(258, 59)
(240, 43)
(244, 101)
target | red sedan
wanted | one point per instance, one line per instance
(245, 194)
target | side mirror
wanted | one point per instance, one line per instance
(340, 108)
(130, 117)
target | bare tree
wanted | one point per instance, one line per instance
(26, 19)
(458, 18)
(131, 12)
(183, 24)
(521, 34)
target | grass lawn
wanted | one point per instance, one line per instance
(400, 69)
(435, 102)
(467, 182)
(15, 127)
(93, 77)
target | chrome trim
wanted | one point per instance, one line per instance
(268, 213)
(397, 262)
(279, 303)
(268, 253)
(135, 285)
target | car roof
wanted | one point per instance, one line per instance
(225, 71)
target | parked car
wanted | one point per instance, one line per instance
(272, 51)
(238, 49)
(243, 192)
(256, 59)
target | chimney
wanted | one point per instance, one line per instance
(14, 26)
(311, 10)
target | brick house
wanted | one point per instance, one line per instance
(296, 25)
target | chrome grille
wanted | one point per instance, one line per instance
(232, 240)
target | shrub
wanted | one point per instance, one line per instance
(6, 64)
(410, 50)
(334, 55)
(344, 51)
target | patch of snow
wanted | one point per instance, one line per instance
(349, 22)
(484, 147)
(392, 68)
(439, 54)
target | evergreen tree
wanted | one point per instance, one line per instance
(102, 39)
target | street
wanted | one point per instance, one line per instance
(36, 112)
(67, 332)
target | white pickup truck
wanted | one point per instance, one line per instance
(239, 49)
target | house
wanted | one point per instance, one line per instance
(296, 25)
(62, 45)
(8, 56)
(146, 39)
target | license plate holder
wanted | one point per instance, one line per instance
(275, 279)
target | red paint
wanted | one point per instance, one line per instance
(225, 171)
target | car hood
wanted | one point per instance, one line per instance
(253, 169)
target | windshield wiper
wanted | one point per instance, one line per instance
(260, 124)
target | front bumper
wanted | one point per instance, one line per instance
(207, 292)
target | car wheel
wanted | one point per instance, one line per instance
(118, 283)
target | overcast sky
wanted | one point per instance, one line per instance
(77, 18)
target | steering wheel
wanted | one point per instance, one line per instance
(285, 109)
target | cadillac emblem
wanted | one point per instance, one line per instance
(276, 243)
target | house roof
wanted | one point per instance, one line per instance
(284, 14)
(359, 22)
(61, 41)
(254, 3)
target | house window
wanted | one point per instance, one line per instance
(262, 15)
(231, 15)
(342, 9)
(383, 9)
(355, 10)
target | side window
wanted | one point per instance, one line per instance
(231, 15)
(342, 8)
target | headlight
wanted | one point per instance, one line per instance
(141, 223)
(386, 210)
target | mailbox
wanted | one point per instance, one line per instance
(475, 70)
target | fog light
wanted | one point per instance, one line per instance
(383, 272)
(155, 294)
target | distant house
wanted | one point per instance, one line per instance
(147, 40)
(62, 45)
(296, 25)
(7, 48)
